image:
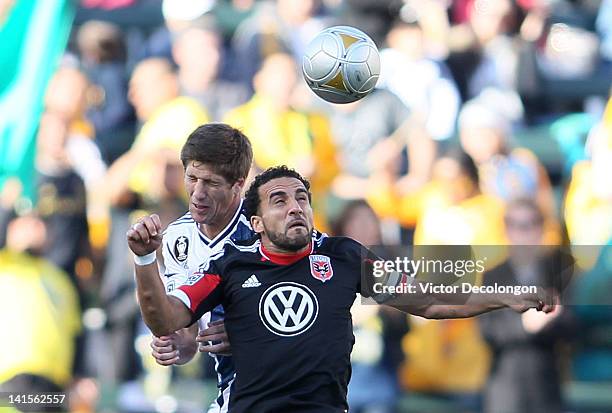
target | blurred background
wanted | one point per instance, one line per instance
(491, 125)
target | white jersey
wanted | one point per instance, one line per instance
(184, 248)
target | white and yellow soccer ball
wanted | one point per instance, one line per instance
(341, 64)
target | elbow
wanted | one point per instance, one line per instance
(156, 322)
(431, 313)
(160, 330)
(439, 312)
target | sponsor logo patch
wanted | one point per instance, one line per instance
(288, 309)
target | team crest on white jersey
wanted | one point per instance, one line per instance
(320, 267)
(181, 246)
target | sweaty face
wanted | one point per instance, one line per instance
(285, 214)
(210, 195)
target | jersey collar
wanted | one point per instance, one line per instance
(284, 259)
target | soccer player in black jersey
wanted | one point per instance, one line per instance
(287, 296)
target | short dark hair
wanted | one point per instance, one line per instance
(226, 149)
(251, 198)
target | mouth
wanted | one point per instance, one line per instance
(297, 224)
(199, 207)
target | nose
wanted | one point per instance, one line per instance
(295, 208)
(199, 190)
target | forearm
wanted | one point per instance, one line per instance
(460, 310)
(443, 306)
(163, 314)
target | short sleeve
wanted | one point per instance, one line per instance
(201, 291)
(174, 274)
(374, 280)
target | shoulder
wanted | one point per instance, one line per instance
(179, 225)
(232, 252)
(337, 245)
(242, 231)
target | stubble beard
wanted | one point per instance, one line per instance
(284, 242)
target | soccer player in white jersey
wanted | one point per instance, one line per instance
(217, 159)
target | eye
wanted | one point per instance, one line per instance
(279, 201)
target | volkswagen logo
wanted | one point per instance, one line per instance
(288, 309)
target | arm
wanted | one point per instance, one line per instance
(412, 295)
(463, 305)
(163, 314)
(177, 348)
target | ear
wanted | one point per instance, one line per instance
(257, 224)
(238, 186)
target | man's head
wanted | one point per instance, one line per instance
(524, 222)
(99, 42)
(197, 52)
(278, 205)
(407, 38)
(152, 84)
(217, 159)
(276, 79)
(27, 234)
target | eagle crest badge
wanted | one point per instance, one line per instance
(321, 268)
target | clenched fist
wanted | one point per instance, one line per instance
(543, 300)
(144, 237)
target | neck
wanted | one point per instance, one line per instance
(280, 256)
(195, 82)
(272, 248)
(214, 229)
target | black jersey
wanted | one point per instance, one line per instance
(288, 319)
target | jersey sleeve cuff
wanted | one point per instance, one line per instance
(180, 294)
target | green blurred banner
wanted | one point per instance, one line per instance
(33, 36)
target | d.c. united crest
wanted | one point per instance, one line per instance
(320, 267)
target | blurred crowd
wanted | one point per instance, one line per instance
(491, 124)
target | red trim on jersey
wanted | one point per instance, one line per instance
(284, 259)
(200, 289)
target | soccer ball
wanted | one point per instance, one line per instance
(341, 64)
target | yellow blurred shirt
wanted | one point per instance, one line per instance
(277, 137)
(168, 128)
(40, 317)
(291, 138)
(445, 355)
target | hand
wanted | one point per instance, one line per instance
(534, 321)
(215, 332)
(144, 237)
(165, 351)
(543, 300)
(176, 348)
